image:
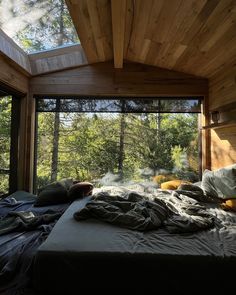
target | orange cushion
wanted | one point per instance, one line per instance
(173, 184)
(230, 204)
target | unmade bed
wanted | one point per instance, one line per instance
(95, 254)
(23, 228)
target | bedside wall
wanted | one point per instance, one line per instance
(222, 92)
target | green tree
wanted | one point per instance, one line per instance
(37, 24)
(5, 138)
(53, 28)
(44, 147)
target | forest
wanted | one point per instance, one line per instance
(5, 140)
(104, 148)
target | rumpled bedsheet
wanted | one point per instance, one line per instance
(23, 228)
(144, 211)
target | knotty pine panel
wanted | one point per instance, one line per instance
(133, 79)
(222, 91)
(12, 77)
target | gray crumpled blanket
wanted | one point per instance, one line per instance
(142, 211)
(17, 221)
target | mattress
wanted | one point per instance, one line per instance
(95, 254)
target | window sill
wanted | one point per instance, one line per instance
(220, 125)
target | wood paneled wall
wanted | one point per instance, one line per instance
(133, 79)
(222, 87)
(223, 147)
(10, 76)
(10, 49)
(222, 91)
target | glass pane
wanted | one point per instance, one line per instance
(5, 139)
(37, 25)
(117, 148)
(180, 105)
(119, 105)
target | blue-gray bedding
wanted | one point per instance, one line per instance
(23, 228)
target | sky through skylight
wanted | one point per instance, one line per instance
(37, 25)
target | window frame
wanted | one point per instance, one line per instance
(105, 97)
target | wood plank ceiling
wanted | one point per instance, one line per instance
(191, 36)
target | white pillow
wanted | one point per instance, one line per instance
(220, 183)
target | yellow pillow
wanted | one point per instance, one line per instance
(173, 184)
(230, 204)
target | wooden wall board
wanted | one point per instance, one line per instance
(222, 96)
(11, 50)
(223, 147)
(133, 79)
(10, 76)
(222, 87)
(92, 20)
(118, 9)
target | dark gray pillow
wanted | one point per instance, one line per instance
(80, 190)
(54, 193)
(220, 183)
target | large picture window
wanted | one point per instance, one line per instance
(117, 140)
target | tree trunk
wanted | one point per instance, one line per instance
(54, 167)
(121, 146)
(60, 40)
(158, 125)
(158, 121)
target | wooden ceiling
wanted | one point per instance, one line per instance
(191, 36)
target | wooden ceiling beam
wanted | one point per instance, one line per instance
(118, 12)
(80, 16)
(14, 53)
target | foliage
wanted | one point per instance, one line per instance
(5, 129)
(178, 156)
(37, 24)
(89, 146)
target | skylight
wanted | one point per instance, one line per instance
(37, 25)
